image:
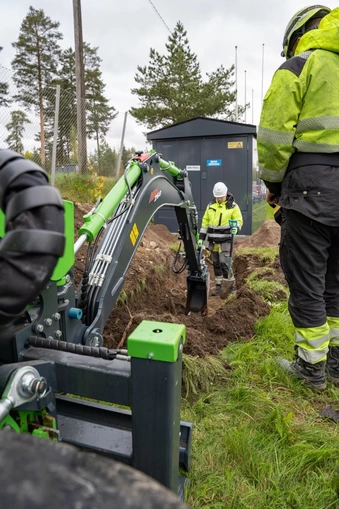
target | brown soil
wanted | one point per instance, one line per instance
(267, 236)
(153, 292)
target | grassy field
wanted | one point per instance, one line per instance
(259, 441)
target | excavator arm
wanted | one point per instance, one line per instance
(144, 192)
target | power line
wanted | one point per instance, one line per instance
(158, 13)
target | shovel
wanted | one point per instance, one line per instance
(228, 284)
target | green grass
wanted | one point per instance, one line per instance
(258, 440)
(268, 290)
(264, 254)
(81, 188)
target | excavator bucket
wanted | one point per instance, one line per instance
(197, 294)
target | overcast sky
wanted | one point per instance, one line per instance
(125, 30)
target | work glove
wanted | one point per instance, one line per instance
(200, 242)
(234, 230)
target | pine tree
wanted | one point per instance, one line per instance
(16, 129)
(104, 161)
(35, 63)
(99, 113)
(4, 99)
(171, 88)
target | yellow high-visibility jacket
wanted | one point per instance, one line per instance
(217, 216)
(301, 108)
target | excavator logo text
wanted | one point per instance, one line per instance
(155, 195)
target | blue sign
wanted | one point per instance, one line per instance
(214, 162)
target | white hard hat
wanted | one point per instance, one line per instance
(219, 190)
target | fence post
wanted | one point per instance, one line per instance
(55, 139)
(121, 147)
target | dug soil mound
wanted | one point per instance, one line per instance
(152, 291)
(268, 235)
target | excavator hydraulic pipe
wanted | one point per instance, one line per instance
(95, 221)
(170, 168)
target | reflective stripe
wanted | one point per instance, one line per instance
(313, 343)
(203, 229)
(305, 54)
(333, 323)
(313, 338)
(317, 124)
(272, 175)
(276, 137)
(323, 148)
(312, 356)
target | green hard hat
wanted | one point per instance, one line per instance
(297, 25)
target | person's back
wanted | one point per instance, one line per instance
(298, 151)
(305, 128)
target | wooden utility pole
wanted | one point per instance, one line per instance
(80, 87)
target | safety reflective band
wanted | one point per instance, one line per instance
(317, 124)
(313, 343)
(272, 175)
(321, 148)
(218, 236)
(203, 229)
(276, 137)
(333, 323)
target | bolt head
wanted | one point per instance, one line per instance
(57, 316)
(39, 327)
(95, 341)
(58, 333)
(48, 322)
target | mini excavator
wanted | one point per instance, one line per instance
(57, 380)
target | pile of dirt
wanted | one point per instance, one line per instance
(268, 235)
(152, 291)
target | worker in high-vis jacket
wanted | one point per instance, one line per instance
(216, 231)
(298, 151)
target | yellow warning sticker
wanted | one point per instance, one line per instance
(134, 234)
(135, 230)
(235, 144)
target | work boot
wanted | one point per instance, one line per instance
(313, 375)
(216, 292)
(332, 365)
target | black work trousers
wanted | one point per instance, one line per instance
(309, 257)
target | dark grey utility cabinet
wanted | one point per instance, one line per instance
(212, 151)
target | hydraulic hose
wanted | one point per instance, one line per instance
(34, 233)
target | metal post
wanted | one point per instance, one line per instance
(236, 83)
(155, 399)
(245, 99)
(80, 87)
(55, 138)
(252, 106)
(121, 147)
